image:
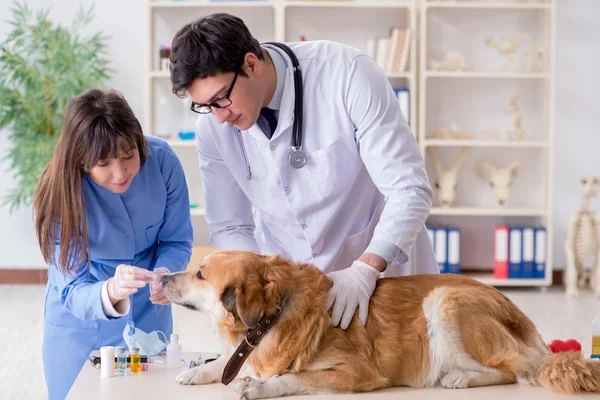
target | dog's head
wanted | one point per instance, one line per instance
(245, 284)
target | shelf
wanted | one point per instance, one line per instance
(159, 74)
(482, 143)
(197, 211)
(191, 4)
(347, 4)
(488, 5)
(488, 278)
(181, 143)
(486, 75)
(491, 211)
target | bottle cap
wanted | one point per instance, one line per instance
(107, 349)
(135, 350)
(174, 337)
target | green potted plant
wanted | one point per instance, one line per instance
(42, 67)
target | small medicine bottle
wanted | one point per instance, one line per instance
(121, 359)
(596, 337)
(135, 360)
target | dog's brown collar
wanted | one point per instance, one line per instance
(251, 340)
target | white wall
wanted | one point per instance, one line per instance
(578, 61)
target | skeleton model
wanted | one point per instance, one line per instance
(446, 181)
(582, 244)
(454, 61)
(517, 133)
(500, 178)
(509, 47)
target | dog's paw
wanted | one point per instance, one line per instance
(195, 376)
(572, 293)
(455, 379)
(249, 388)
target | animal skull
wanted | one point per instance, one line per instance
(500, 178)
(446, 181)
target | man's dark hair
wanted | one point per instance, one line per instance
(210, 45)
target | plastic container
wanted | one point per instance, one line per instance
(596, 337)
(107, 361)
(174, 352)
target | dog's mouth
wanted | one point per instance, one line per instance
(190, 306)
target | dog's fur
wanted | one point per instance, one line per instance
(422, 331)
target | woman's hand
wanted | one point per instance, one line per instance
(127, 280)
(157, 296)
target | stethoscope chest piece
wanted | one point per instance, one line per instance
(297, 158)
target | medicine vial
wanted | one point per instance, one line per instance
(121, 359)
(596, 337)
(107, 361)
(135, 360)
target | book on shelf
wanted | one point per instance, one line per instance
(391, 52)
(519, 252)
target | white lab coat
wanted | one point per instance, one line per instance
(364, 177)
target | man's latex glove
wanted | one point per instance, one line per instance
(157, 296)
(127, 280)
(352, 287)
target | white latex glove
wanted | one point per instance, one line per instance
(157, 296)
(352, 287)
(127, 280)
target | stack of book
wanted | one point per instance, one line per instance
(391, 53)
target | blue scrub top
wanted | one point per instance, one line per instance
(148, 226)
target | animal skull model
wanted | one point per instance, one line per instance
(500, 178)
(446, 181)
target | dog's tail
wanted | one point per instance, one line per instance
(569, 372)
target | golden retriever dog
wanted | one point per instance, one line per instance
(422, 331)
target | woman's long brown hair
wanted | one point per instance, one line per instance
(98, 124)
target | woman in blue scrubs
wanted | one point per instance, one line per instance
(111, 212)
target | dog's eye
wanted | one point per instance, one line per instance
(199, 275)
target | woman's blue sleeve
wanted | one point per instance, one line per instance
(176, 234)
(79, 292)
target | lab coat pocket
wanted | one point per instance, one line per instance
(332, 168)
(354, 245)
(152, 232)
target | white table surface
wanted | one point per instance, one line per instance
(159, 383)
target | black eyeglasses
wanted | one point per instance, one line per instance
(223, 102)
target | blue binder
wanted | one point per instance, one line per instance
(528, 252)
(540, 252)
(441, 249)
(515, 252)
(453, 259)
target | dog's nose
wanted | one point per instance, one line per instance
(501, 202)
(165, 279)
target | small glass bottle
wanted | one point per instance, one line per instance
(135, 360)
(596, 337)
(121, 359)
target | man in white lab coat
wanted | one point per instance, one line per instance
(355, 206)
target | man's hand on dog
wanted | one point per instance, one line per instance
(352, 287)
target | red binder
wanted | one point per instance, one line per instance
(501, 252)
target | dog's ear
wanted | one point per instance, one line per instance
(245, 301)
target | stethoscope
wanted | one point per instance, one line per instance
(297, 157)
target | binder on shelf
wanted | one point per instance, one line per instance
(540, 253)
(441, 249)
(515, 252)
(453, 259)
(501, 252)
(528, 251)
(403, 96)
